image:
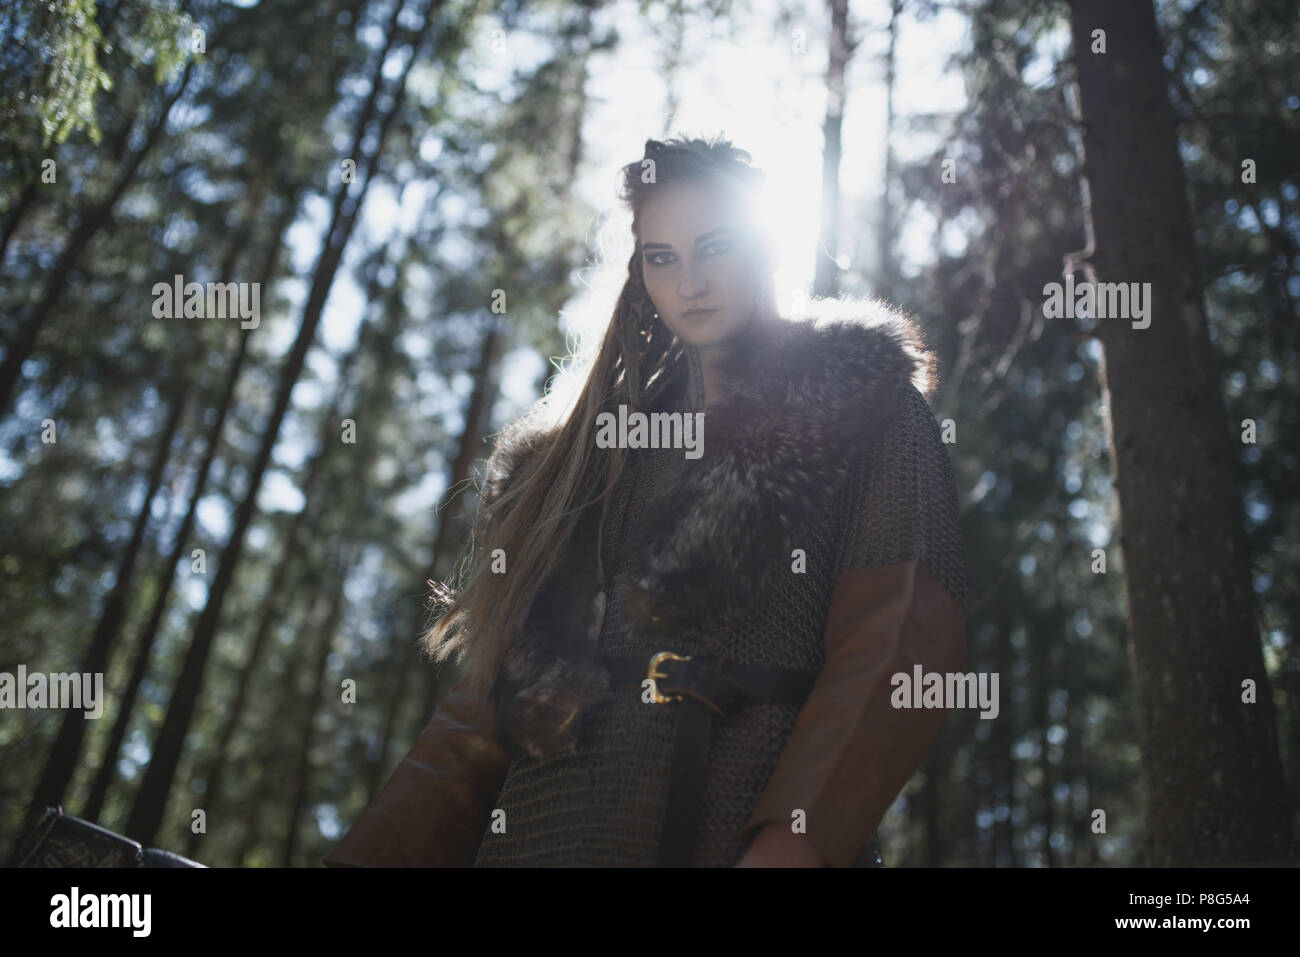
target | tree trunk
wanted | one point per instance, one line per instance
(1078, 812)
(1002, 741)
(146, 815)
(402, 654)
(886, 267)
(62, 762)
(928, 805)
(57, 283)
(826, 275)
(1044, 681)
(149, 634)
(301, 778)
(214, 774)
(1211, 779)
(17, 212)
(315, 469)
(476, 423)
(270, 749)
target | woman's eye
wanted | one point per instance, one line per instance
(719, 247)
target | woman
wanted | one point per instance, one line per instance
(682, 657)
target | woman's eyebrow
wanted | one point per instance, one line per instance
(699, 239)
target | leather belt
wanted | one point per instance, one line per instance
(705, 687)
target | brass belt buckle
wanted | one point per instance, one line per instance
(653, 673)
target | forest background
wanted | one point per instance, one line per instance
(235, 522)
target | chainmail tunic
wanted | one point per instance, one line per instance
(601, 801)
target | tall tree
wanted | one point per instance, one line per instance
(366, 148)
(886, 264)
(841, 46)
(1211, 778)
(298, 780)
(62, 761)
(57, 59)
(181, 542)
(96, 218)
(477, 409)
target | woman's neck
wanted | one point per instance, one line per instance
(702, 377)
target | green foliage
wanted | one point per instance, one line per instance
(52, 68)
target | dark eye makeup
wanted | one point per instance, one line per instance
(725, 244)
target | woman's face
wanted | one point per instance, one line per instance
(699, 261)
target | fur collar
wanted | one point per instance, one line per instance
(799, 396)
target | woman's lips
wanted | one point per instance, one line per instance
(696, 313)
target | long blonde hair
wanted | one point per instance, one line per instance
(538, 511)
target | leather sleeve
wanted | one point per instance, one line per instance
(433, 810)
(851, 751)
(899, 601)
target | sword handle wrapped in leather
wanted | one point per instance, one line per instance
(61, 840)
(437, 803)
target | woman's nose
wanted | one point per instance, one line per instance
(692, 284)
